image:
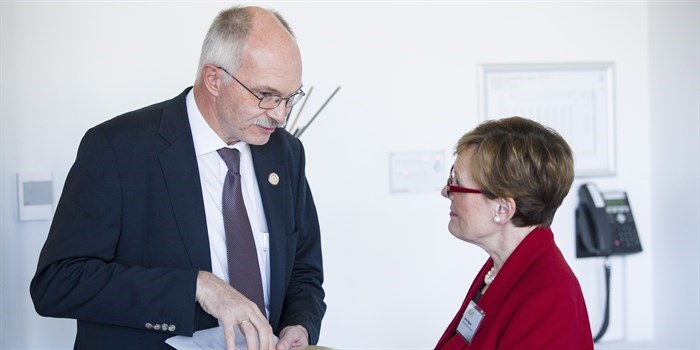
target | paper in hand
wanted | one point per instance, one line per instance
(207, 339)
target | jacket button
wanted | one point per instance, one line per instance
(149, 326)
(164, 327)
(171, 328)
(156, 327)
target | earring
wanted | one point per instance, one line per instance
(497, 219)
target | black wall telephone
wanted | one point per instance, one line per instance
(604, 224)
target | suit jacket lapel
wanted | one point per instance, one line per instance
(266, 161)
(520, 260)
(181, 174)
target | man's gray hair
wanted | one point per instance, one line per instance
(224, 41)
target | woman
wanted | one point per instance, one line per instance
(508, 180)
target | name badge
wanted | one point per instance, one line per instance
(470, 321)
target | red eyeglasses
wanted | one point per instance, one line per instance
(456, 188)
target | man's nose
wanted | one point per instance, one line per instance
(279, 113)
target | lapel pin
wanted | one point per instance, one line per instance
(273, 178)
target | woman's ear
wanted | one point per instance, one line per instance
(505, 209)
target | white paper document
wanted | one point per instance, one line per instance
(207, 339)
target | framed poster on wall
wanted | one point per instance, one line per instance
(575, 99)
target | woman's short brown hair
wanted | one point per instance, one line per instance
(521, 159)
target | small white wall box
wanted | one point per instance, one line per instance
(420, 171)
(35, 196)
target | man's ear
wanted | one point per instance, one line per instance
(210, 79)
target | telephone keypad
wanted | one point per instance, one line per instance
(628, 235)
(620, 218)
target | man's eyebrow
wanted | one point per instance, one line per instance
(272, 90)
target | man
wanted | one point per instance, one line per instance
(137, 251)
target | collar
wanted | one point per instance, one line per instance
(204, 137)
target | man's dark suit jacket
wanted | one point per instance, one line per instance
(129, 235)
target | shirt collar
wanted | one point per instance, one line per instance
(204, 137)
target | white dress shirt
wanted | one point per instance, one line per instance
(212, 173)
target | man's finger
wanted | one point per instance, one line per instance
(230, 336)
(283, 345)
(251, 335)
(263, 335)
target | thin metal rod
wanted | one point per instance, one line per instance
(296, 118)
(301, 131)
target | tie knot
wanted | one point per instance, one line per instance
(232, 158)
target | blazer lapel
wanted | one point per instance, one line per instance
(267, 163)
(520, 260)
(181, 174)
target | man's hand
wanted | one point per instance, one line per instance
(293, 338)
(232, 308)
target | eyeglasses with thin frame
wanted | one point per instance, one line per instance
(270, 101)
(456, 188)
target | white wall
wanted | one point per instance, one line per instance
(394, 275)
(675, 192)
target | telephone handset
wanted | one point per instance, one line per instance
(604, 224)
